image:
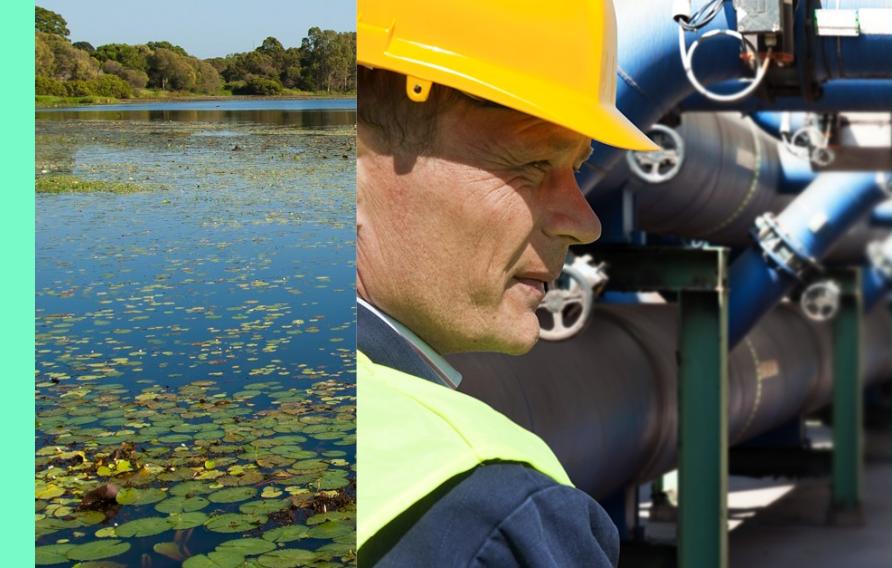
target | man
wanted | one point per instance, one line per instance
(473, 118)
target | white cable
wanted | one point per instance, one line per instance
(687, 58)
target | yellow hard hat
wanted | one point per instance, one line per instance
(555, 60)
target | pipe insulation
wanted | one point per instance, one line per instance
(605, 401)
(795, 240)
(729, 174)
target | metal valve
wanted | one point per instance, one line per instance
(566, 307)
(820, 300)
(662, 165)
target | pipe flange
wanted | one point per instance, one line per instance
(780, 249)
(569, 300)
(662, 165)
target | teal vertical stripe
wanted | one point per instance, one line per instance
(17, 321)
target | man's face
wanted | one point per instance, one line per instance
(458, 245)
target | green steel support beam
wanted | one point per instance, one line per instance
(703, 430)
(699, 277)
(848, 402)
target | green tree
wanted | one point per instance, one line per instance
(328, 60)
(68, 62)
(155, 45)
(171, 71)
(85, 45)
(246, 65)
(207, 80)
(130, 56)
(272, 47)
(50, 22)
(135, 78)
(44, 60)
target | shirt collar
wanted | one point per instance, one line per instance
(437, 361)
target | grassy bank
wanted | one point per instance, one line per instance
(147, 95)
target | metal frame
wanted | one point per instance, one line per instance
(700, 278)
(848, 402)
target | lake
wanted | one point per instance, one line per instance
(195, 316)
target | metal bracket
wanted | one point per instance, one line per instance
(780, 249)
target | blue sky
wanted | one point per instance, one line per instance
(205, 28)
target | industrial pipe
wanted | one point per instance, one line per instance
(839, 95)
(651, 79)
(728, 175)
(605, 401)
(795, 241)
(882, 214)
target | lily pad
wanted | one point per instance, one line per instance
(264, 507)
(288, 533)
(181, 505)
(286, 558)
(182, 521)
(52, 554)
(147, 526)
(190, 488)
(246, 546)
(232, 495)
(134, 496)
(330, 529)
(214, 560)
(48, 491)
(234, 522)
(98, 550)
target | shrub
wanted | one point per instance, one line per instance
(258, 86)
(78, 88)
(49, 86)
(110, 86)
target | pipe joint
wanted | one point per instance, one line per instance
(780, 249)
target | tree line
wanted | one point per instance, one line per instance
(325, 61)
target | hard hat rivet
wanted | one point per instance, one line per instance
(417, 89)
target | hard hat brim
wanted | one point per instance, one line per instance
(582, 112)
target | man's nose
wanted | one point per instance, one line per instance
(569, 214)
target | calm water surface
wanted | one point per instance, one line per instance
(195, 338)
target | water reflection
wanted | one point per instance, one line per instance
(302, 119)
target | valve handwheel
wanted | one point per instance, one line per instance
(662, 165)
(566, 307)
(820, 300)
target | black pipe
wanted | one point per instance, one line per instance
(605, 401)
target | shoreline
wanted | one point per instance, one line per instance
(61, 102)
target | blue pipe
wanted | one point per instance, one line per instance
(865, 56)
(867, 95)
(882, 215)
(875, 285)
(795, 172)
(650, 77)
(812, 223)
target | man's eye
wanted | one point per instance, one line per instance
(541, 165)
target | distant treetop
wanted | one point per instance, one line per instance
(50, 22)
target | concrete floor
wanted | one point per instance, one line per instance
(782, 523)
